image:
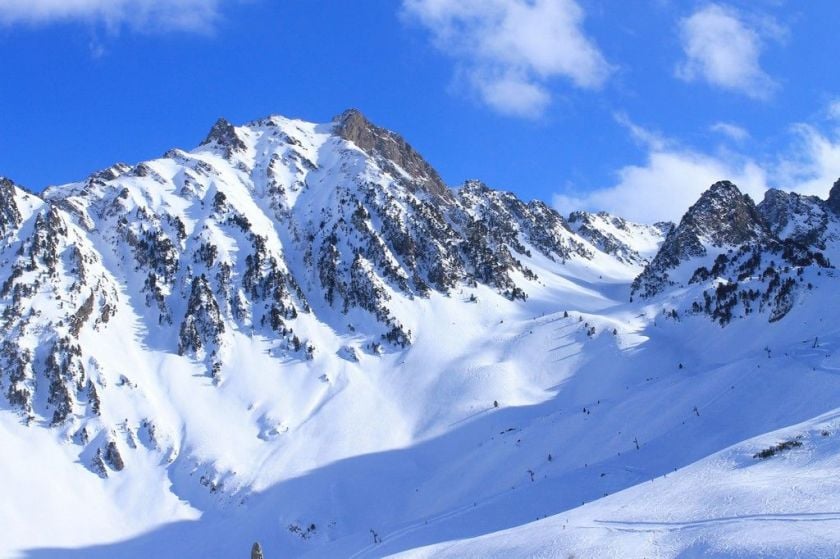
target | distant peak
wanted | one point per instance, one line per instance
(725, 215)
(474, 185)
(351, 121)
(775, 193)
(721, 198)
(349, 114)
(352, 124)
(223, 134)
(724, 187)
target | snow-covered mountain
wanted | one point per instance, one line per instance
(297, 334)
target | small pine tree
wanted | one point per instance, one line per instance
(256, 551)
(113, 457)
(98, 464)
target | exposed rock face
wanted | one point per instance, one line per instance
(804, 219)
(9, 213)
(223, 134)
(834, 197)
(111, 172)
(725, 216)
(392, 151)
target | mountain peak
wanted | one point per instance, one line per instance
(351, 114)
(722, 217)
(724, 188)
(391, 150)
(223, 134)
(725, 216)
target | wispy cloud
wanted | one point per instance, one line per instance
(138, 15)
(509, 50)
(731, 131)
(723, 47)
(672, 176)
(833, 110)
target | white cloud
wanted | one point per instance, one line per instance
(672, 177)
(731, 131)
(723, 48)
(813, 162)
(644, 136)
(512, 94)
(664, 187)
(142, 15)
(510, 49)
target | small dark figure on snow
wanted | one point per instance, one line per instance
(256, 551)
(376, 538)
(495, 403)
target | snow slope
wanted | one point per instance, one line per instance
(295, 334)
(727, 505)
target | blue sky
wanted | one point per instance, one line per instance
(633, 107)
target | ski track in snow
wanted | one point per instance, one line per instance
(643, 526)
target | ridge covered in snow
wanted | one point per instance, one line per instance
(296, 333)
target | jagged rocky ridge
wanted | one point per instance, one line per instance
(618, 237)
(742, 257)
(279, 228)
(257, 227)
